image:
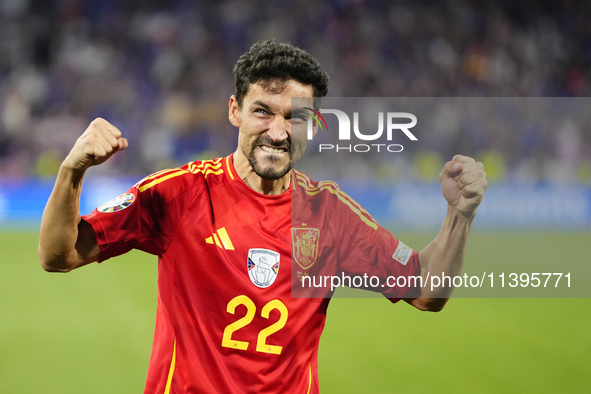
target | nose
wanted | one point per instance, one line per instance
(278, 129)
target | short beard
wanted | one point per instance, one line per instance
(267, 173)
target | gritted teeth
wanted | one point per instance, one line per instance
(271, 149)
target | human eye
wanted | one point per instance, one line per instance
(299, 117)
(261, 111)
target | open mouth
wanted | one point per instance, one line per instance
(270, 149)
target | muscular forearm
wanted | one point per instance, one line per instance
(65, 241)
(463, 183)
(58, 237)
(445, 254)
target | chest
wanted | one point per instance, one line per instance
(227, 238)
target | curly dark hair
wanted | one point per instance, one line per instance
(273, 64)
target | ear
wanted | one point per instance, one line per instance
(234, 112)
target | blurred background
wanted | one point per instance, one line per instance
(161, 72)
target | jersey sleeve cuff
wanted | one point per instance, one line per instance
(107, 249)
(413, 268)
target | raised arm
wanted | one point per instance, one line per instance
(463, 183)
(65, 241)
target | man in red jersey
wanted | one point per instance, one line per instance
(224, 236)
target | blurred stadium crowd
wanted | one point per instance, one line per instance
(161, 72)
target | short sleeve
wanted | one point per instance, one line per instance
(368, 250)
(141, 218)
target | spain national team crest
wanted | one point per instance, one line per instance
(262, 266)
(304, 246)
(118, 203)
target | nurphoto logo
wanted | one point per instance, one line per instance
(394, 123)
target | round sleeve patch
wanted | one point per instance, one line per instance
(118, 203)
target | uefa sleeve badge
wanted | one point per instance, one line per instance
(402, 253)
(118, 203)
(262, 266)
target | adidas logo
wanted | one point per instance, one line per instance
(221, 239)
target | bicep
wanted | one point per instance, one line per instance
(86, 245)
(60, 255)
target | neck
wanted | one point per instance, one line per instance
(271, 187)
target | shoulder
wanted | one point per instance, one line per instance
(207, 168)
(172, 182)
(304, 185)
(319, 190)
(329, 194)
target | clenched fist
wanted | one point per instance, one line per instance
(99, 142)
(463, 182)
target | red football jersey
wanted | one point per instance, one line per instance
(226, 320)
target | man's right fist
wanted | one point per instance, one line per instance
(99, 142)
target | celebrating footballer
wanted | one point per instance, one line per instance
(225, 236)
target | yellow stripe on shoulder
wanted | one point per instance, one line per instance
(209, 163)
(337, 192)
(170, 174)
(213, 172)
(345, 195)
(207, 167)
(310, 186)
(193, 166)
(155, 175)
(321, 184)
